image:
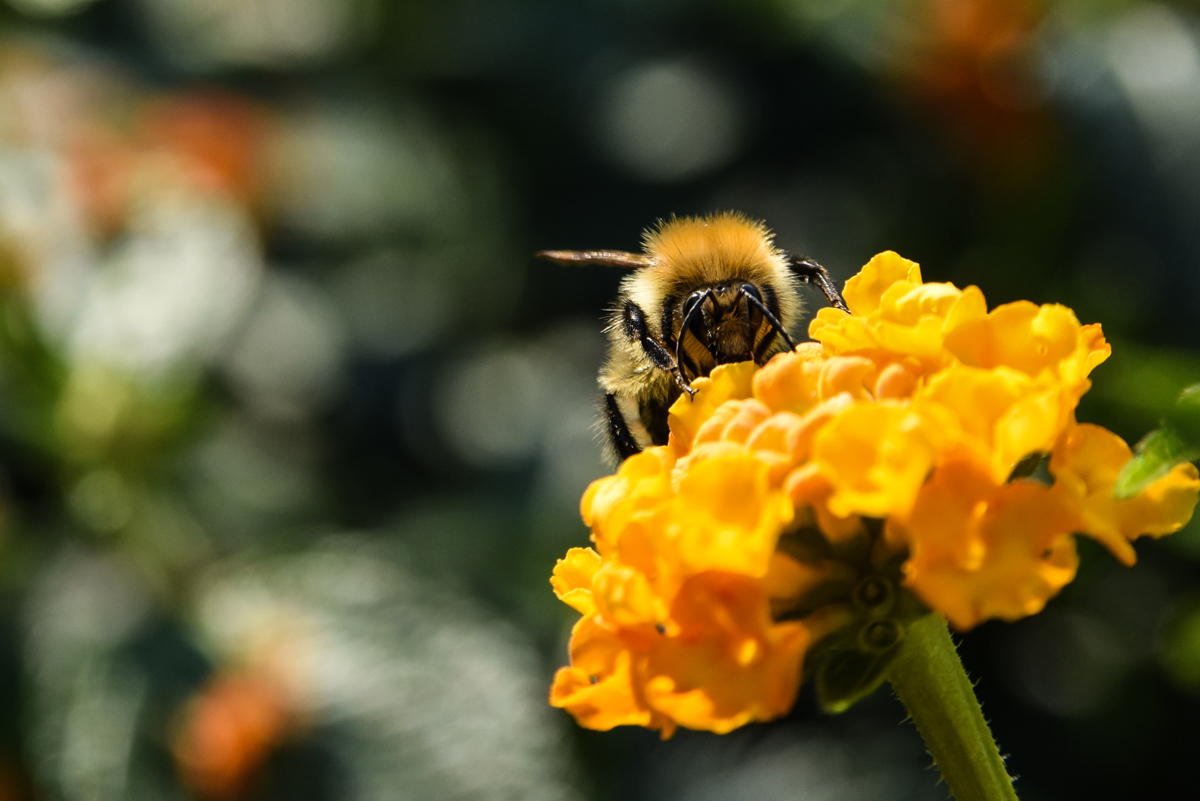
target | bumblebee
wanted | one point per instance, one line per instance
(704, 291)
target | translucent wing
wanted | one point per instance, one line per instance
(608, 258)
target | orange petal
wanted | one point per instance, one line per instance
(688, 413)
(851, 374)
(979, 550)
(788, 382)
(600, 703)
(775, 443)
(1086, 464)
(732, 421)
(600, 687)
(572, 579)
(625, 598)
(896, 381)
(731, 664)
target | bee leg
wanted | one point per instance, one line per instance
(634, 322)
(754, 299)
(812, 273)
(697, 300)
(619, 435)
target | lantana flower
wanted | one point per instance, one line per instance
(921, 454)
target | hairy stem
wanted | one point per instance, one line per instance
(929, 679)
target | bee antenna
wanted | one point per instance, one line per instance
(687, 320)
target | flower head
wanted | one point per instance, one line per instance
(818, 505)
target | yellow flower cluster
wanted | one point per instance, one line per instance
(919, 409)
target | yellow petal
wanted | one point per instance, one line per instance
(789, 582)
(789, 578)
(641, 486)
(727, 516)
(979, 397)
(777, 442)
(1019, 335)
(876, 457)
(969, 306)
(907, 304)
(1031, 426)
(687, 414)
(810, 491)
(1001, 412)
(572, 579)
(1086, 464)
(811, 422)
(1090, 350)
(841, 333)
(864, 291)
(924, 340)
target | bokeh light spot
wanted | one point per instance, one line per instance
(671, 120)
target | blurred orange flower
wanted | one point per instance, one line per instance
(971, 68)
(229, 730)
(795, 504)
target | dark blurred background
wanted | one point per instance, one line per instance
(292, 426)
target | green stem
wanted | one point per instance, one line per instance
(929, 679)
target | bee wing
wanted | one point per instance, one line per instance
(608, 258)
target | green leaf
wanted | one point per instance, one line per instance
(1154, 456)
(1034, 467)
(1184, 417)
(1026, 467)
(1178, 441)
(846, 677)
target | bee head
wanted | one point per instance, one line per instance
(720, 324)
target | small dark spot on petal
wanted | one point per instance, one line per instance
(660, 628)
(594, 679)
